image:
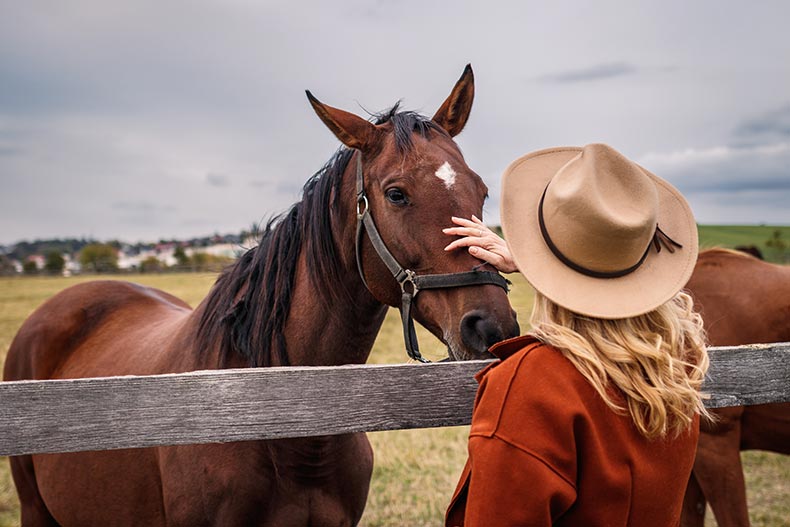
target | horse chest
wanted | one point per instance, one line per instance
(309, 462)
(299, 482)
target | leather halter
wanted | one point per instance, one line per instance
(410, 282)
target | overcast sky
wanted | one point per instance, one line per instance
(141, 120)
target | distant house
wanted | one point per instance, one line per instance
(218, 250)
(71, 266)
(162, 252)
(224, 250)
(38, 259)
(128, 260)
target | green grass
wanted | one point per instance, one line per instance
(733, 235)
(415, 470)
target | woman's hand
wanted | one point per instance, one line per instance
(482, 242)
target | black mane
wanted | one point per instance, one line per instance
(405, 124)
(247, 308)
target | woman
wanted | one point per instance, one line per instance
(592, 419)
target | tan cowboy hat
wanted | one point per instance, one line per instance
(595, 232)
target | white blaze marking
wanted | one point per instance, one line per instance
(446, 174)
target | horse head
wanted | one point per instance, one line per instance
(409, 176)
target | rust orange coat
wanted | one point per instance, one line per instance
(544, 449)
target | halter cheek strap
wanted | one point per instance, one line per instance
(410, 282)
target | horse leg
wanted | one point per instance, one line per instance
(33, 510)
(718, 469)
(693, 512)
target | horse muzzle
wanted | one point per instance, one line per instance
(479, 331)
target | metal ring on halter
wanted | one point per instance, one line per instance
(360, 200)
(410, 279)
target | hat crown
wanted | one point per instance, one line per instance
(600, 210)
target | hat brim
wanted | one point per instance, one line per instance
(655, 282)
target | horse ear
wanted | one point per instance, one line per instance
(352, 130)
(454, 112)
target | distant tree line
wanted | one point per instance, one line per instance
(198, 262)
(102, 257)
(6, 266)
(25, 248)
(22, 250)
(99, 258)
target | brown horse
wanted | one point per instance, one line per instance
(742, 300)
(296, 299)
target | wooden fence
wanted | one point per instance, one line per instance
(267, 403)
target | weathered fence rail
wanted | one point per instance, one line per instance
(269, 403)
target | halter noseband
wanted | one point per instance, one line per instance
(410, 282)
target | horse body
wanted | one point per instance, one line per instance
(742, 300)
(312, 481)
(296, 299)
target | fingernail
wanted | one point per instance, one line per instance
(473, 250)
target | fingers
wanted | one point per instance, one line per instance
(464, 231)
(474, 222)
(473, 227)
(481, 242)
(499, 256)
(473, 233)
(463, 222)
(487, 256)
(462, 242)
(491, 244)
(472, 236)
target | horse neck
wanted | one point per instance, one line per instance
(337, 328)
(338, 331)
(322, 326)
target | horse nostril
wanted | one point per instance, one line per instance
(479, 332)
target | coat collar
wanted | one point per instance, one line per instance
(503, 350)
(506, 348)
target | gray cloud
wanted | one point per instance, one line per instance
(217, 180)
(289, 188)
(773, 123)
(9, 150)
(593, 73)
(744, 182)
(730, 181)
(108, 103)
(142, 206)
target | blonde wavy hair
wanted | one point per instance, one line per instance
(657, 360)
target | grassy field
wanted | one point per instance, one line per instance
(757, 235)
(415, 470)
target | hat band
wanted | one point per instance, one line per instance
(659, 238)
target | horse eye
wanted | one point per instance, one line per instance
(396, 196)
